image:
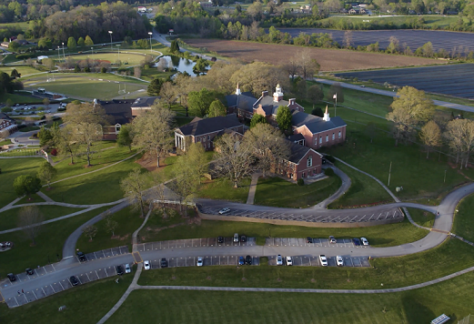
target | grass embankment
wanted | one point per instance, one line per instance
(24, 151)
(464, 221)
(127, 222)
(9, 218)
(84, 304)
(49, 244)
(282, 193)
(382, 235)
(6, 142)
(363, 190)
(12, 168)
(223, 189)
(422, 217)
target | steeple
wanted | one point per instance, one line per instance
(237, 91)
(278, 94)
(326, 115)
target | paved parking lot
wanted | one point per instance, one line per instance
(58, 286)
(208, 260)
(313, 261)
(317, 217)
(200, 242)
(317, 242)
(107, 253)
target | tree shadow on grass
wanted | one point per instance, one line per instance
(416, 312)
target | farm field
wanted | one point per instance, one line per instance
(413, 38)
(329, 59)
(454, 80)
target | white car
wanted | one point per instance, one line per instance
(289, 261)
(236, 238)
(147, 265)
(339, 261)
(127, 268)
(364, 241)
(279, 260)
(224, 210)
(200, 262)
(323, 260)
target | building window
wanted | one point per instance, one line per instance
(327, 138)
(203, 139)
(339, 134)
(320, 140)
(333, 136)
(309, 162)
(208, 137)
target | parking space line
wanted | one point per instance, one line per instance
(112, 251)
(34, 294)
(61, 285)
(44, 292)
(105, 270)
(87, 277)
(16, 301)
(45, 272)
(54, 291)
(53, 267)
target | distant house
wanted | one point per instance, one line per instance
(119, 112)
(7, 123)
(241, 103)
(142, 104)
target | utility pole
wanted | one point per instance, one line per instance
(389, 173)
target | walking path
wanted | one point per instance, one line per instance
(346, 184)
(253, 188)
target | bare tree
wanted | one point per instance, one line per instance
(308, 66)
(348, 39)
(133, 187)
(460, 136)
(430, 136)
(403, 129)
(162, 65)
(29, 220)
(137, 72)
(63, 139)
(90, 231)
(110, 223)
(167, 93)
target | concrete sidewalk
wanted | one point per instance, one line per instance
(253, 188)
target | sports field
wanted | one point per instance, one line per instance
(126, 57)
(23, 70)
(454, 80)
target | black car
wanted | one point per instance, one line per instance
(119, 270)
(309, 240)
(74, 281)
(164, 263)
(30, 271)
(220, 239)
(243, 238)
(248, 260)
(356, 241)
(81, 256)
(11, 276)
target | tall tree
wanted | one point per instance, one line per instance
(63, 140)
(90, 231)
(88, 41)
(284, 118)
(85, 123)
(167, 94)
(26, 185)
(152, 131)
(46, 172)
(430, 136)
(133, 187)
(314, 94)
(257, 119)
(199, 101)
(217, 108)
(415, 103)
(308, 66)
(125, 137)
(110, 224)
(460, 136)
(174, 48)
(71, 43)
(29, 220)
(154, 87)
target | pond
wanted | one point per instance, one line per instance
(179, 63)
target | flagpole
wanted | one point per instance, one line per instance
(335, 104)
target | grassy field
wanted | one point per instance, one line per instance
(382, 235)
(152, 73)
(24, 70)
(281, 193)
(16, 98)
(29, 199)
(6, 142)
(49, 245)
(84, 304)
(9, 218)
(422, 217)
(464, 220)
(363, 190)
(12, 168)
(22, 152)
(127, 222)
(223, 189)
(127, 58)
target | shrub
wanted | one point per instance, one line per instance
(329, 172)
(300, 182)
(54, 152)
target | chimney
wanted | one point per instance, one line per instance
(326, 115)
(291, 102)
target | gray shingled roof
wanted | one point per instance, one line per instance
(314, 123)
(119, 110)
(144, 102)
(243, 101)
(297, 152)
(295, 137)
(269, 106)
(210, 125)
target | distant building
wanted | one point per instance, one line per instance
(7, 123)
(119, 112)
(142, 104)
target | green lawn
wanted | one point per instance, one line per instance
(128, 58)
(9, 218)
(464, 220)
(281, 193)
(128, 221)
(5, 142)
(422, 217)
(49, 245)
(24, 70)
(223, 189)
(153, 73)
(29, 199)
(22, 152)
(17, 98)
(12, 168)
(382, 235)
(363, 190)
(84, 304)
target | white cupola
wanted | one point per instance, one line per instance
(278, 95)
(237, 91)
(326, 115)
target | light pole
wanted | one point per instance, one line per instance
(64, 53)
(110, 32)
(118, 53)
(59, 57)
(335, 104)
(151, 48)
(92, 49)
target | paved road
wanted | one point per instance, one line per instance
(393, 94)
(23, 138)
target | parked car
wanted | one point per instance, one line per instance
(147, 265)
(243, 238)
(364, 241)
(220, 239)
(339, 261)
(127, 268)
(289, 261)
(224, 210)
(248, 260)
(74, 281)
(356, 241)
(323, 260)
(164, 263)
(30, 271)
(119, 270)
(11, 276)
(241, 260)
(332, 239)
(236, 238)
(81, 256)
(279, 260)
(200, 262)
(309, 240)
